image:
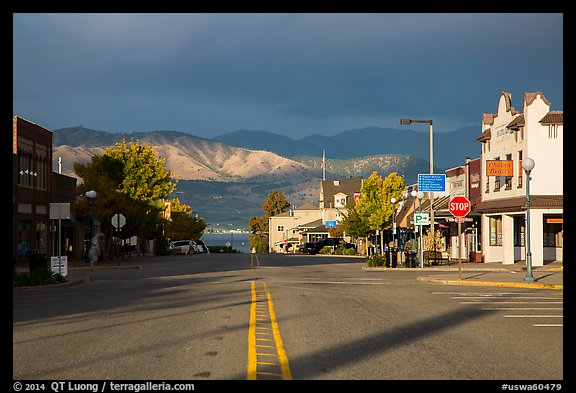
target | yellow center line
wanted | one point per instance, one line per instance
(286, 373)
(252, 336)
(257, 320)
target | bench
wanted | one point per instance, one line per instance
(435, 258)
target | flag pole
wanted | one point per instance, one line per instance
(323, 164)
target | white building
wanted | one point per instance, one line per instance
(508, 135)
(285, 228)
(309, 223)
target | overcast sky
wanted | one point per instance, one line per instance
(292, 74)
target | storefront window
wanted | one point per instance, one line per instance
(24, 238)
(42, 237)
(519, 229)
(553, 231)
(496, 230)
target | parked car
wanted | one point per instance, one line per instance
(182, 247)
(310, 248)
(315, 247)
(201, 246)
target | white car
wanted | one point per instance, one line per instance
(195, 247)
(182, 247)
(201, 246)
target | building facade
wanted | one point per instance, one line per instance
(309, 223)
(34, 188)
(31, 188)
(508, 137)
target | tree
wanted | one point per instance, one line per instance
(144, 177)
(185, 226)
(374, 207)
(129, 179)
(354, 225)
(275, 204)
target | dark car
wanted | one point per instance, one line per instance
(315, 247)
(310, 248)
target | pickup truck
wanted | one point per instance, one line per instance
(315, 247)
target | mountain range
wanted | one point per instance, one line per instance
(450, 148)
(226, 179)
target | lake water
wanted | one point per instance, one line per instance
(239, 241)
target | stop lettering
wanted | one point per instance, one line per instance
(459, 206)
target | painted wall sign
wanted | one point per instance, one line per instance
(499, 168)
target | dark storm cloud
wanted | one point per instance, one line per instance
(287, 73)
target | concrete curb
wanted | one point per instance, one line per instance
(101, 267)
(71, 283)
(502, 284)
(436, 269)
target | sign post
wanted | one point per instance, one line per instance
(419, 220)
(459, 206)
(118, 220)
(59, 211)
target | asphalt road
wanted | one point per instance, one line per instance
(222, 316)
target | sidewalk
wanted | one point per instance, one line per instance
(79, 270)
(549, 276)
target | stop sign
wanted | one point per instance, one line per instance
(459, 206)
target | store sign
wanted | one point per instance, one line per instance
(499, 168)
(431, 182)
(421, 219)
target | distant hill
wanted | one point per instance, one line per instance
(450, 148)
(187, 156)
(227, 184)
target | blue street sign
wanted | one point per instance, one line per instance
(431, 182)
(330, 224)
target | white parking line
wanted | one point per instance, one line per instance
(522, 308)
(505, 302)
(533, 316)
(508, 297)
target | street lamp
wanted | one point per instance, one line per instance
(420, 195)
(90, 195)
(393, 201)
(414, 194)
(528, 165)
(393, 251)
(404, 122)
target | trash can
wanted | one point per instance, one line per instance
(387, 257)
(394, 252)
(410, 259)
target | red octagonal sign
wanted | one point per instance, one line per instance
(459, 206)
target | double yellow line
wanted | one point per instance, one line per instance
(266, 355)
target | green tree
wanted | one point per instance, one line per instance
(185, 226)
(144, 177)
(375, 207)
(275, 204)
(102, 174)
(354, 225)
(128, 179)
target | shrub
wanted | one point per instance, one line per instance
(40, 276)
(374, 260)
(349, 251)
(326, 250)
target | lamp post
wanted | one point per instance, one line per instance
(420, 195)
(90, 195)
(430, 193)
(528, 165)
(393, 251)
(414, 194)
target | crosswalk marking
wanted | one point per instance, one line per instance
(512, 301)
